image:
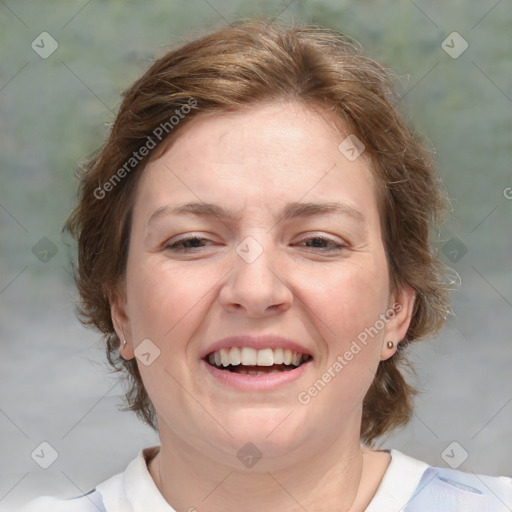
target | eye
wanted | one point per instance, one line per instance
(186, 244)
(323, 243)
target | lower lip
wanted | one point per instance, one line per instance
(263, 382)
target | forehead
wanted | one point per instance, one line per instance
(256, 158)
(284, 131)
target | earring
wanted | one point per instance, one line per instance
(390, 344)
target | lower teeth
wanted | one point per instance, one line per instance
(257, 372)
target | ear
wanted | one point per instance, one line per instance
(121, 321)
(399, 315)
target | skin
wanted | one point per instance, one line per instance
(255, 162)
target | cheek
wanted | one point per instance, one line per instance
(163, 303)
(158, 297)
(352, 296)
(351, 306)
(167, 301)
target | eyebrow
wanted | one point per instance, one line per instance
(290, 211)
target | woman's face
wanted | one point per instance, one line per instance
(319, 279)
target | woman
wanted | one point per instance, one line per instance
(254, 245)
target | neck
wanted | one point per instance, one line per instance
(337, 478)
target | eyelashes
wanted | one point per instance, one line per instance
(333, 246)
(179, 246)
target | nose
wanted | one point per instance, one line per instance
(256, 285)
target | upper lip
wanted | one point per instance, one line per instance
(259, 342)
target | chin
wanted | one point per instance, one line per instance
(275, 432)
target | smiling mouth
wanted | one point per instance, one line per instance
(250, 361)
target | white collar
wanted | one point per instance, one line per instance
(134, 490)
(398, 483)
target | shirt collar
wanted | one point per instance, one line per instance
(398, 483)
(134, 490)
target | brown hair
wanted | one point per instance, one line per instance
(231, 69)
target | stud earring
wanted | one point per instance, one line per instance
(390, 344)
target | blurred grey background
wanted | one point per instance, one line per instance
(55, 386)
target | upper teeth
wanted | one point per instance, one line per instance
(248, 356)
